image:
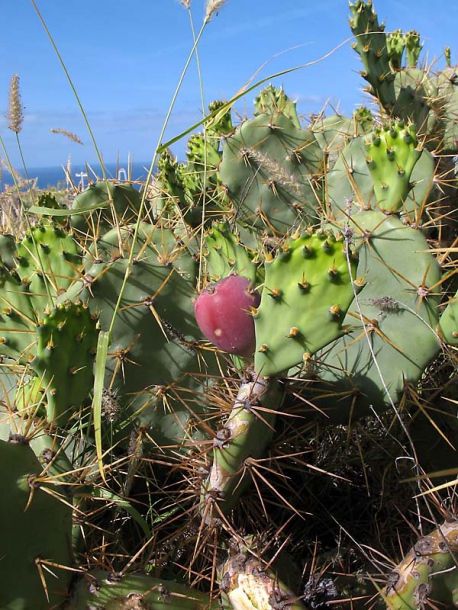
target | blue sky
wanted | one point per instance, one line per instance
(125, 58)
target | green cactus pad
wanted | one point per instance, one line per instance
(332, 133)
(270, 168)
(35, 526)
(448, 323)
(225, 254)
(371, 45)
(350, 185)
(413, 48)
(8, 251)
(17, 318)
(47, 262)
(67, 341)
(168, 187)
(36, 271)
(100, 590)
(306, 294)
(221, 123)
(392, 152)
(46, 447)
(154, 349)
(416, 92)
(447, 102)
(426, 577)
(396, 44)
(396, 338)
(273, 101)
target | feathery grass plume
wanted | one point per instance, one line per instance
(73, 137)
(15, 115)
(212, 7)
(186, 3)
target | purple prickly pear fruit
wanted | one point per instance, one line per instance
(223, 314)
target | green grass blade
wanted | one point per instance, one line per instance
(100, 360)
(105, 494)
(39, 210)
(247, 88)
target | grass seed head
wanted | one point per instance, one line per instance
(15, 114)
(212, 7)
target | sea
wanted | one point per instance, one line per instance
(81, 174)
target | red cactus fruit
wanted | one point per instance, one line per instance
(222, 313)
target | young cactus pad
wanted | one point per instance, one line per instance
(46, 261)
(350, 185)
(308, 288)
(66, 346)
(392, 152)
(226, 254)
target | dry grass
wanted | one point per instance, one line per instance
(17, 199)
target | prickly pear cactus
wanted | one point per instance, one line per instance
(35, 533)
(427, 574)
(65, 353)
(392, 153)
(345, 228)
(225, 254)
(270, 169)
(100, 590)
(371, 45)
(308, 288)
(393, 319)
(154, 347)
